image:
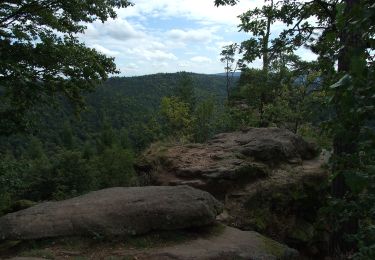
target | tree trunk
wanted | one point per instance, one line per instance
(228, 82)
(345, 143)
(266, 63)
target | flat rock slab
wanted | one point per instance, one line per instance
(231, 244)
(114, 212)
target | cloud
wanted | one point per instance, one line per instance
(119, 29)
(152, 55)
(122, 30)
(104, 50)
(201, 59)
(202, 11)
(198, 35)
(170, 35)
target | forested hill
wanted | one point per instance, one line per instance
(149, 89)
(124, 100)
(127, 104)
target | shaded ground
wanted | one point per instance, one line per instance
(217, 242)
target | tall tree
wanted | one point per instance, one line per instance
(185, 90)
(341, 32)
(41, 56)
(258, 22)
(227, 57)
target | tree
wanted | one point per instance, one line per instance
(227, 54)
(258, 22)
(185, 90)
(340, 32)
(203, 120)
(257, 91)
(66, 135)
(41, 56)
(177, 116)
(115, 168)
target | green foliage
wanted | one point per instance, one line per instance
(114, 167)
(41, 56)
(187, 118)
(12, 174)
(341, 33)
(63, 174)
(288, 97)
(228, 58)
(203, 125)
(185, 91)
(177, 116)
(35, 148)
(68, 157)
(69, 175)
(66, 136)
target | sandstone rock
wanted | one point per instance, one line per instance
(226, 160)
(26, 258)
(231, 244)
(269, 179)
(283, 205)
(112, 212)
(216, 243)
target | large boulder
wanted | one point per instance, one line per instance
(269, 179)
(217, 242)
(284, 205)
(231, 244)
(113, 212)
(226, 160)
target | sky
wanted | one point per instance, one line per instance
(157, 36)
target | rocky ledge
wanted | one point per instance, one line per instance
(114, 212)
(269, 179)
(118, 214)
(226, 160)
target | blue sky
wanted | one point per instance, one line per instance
(170, 35)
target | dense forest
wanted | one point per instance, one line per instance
(121, 118)
(66, 128)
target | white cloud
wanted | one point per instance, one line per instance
(198, 35)
(152, 55)
(119, 29)
(104, 50)
(170, 35)
(201, 59)
(202, 11)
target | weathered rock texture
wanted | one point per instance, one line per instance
(26, 258)
(115, 211)
(231, 244)
(225, 243)
(226, 160)
(270, 179)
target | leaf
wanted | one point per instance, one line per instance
(357, 182)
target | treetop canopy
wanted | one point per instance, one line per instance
(41, 56)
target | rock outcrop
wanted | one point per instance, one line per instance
(226, 160)
(269, 179)
(231, 244)
(225, 243)
(113, 212)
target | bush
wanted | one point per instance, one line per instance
(114, 167)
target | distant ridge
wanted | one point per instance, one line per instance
(236, 74)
